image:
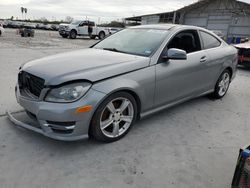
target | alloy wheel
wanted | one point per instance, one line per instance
(224, 84)
(117, 117)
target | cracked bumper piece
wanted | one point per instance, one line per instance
(59, 121)
(39, 130)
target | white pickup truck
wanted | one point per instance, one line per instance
(82, 28)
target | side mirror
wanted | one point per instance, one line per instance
(175, 54)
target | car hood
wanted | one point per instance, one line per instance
(87, 64)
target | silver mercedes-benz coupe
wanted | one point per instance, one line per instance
(101, 91)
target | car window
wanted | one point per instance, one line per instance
(186, 40)
(209, 41)
(75, 22)
(83, 24)
(92, 23)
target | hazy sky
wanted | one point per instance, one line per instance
(105, 10)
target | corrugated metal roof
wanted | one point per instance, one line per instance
(188, 7)
(203, 2)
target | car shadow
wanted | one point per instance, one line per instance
(90, 144)
(244, 68)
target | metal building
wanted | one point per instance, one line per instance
(231, 17)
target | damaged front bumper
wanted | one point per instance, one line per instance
(58, 121)
(48, 133)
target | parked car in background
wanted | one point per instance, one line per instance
(27, 31)
(82, 28)
(15, 24)
(244, 53)
(55, 27)
(101, 91)
(5, 23)
(29, 25)
(1, 29)
(114, 30)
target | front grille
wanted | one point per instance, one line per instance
(62, 28)
(30, 83)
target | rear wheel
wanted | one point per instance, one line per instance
(72, 34)
(114, 117)
(64, 36)
(101, 35)
(0, 32)
(222, 85)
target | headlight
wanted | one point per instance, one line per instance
(68, 93)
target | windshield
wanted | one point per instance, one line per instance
(142, 42)
(77, 22)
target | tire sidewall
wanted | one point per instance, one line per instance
(95, 129)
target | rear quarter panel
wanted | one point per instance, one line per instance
(221, 58)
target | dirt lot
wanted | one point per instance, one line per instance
(192, 145)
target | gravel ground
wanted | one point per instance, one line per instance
(191, 145)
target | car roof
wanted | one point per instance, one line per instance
(166, 26)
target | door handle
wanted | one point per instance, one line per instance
(203, 59)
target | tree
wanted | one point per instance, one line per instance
(44, 20)
(114, 24)
(22, 10)
(69, 19)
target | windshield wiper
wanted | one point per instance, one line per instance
(112, 49)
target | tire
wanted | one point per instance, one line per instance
(107, 126)
(92, 36)
(64, 36)
(101, 35)
(72, 34)
(0, 32)
(222, 85)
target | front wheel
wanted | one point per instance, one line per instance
(72, 34)
(222, 85)
(114, 117)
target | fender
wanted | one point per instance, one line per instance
(143, 88)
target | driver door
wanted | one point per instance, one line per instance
(83, 28)
(179, 79)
